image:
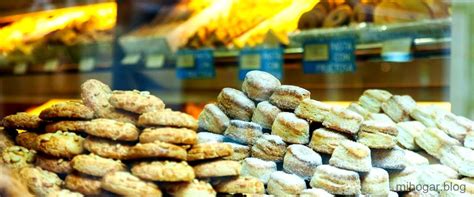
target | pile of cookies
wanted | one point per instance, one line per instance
(112, 143)
(383, 145)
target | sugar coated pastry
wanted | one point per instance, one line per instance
(469, 140)
(315, 192)
(283, 184)
(375, 182)
(372, 99)
(352, 156)
(235, 104)
(326, 140)
(377, 134)
(432, 140)
(454, 126)
(407, 132)
(436, 174)
(107, 148)
(112, 129)
(288, 97)
(258, 168)
(192, 188)
(136, 101)
(67, 110)
(312, 110)
(380, 117)
(301, 160)
(213, 119)
(414, 159)
(217, 168)
(404, 180)
(259, 85)
(167, 118)
(425, 115)
(265, 114)
(95, 165)
(355, 107)
(389, 159)
(53, 164)
(22, 120)
(209, 151)
(27, 140)
(269, 147)
(336, 180)
(343, 120)
(167, 171)
(240, 152)
(17, 157)
(459, 158)
(124, 183)
(291, 128)
(40, 182)
(85, 184)
(243, 132)
(240, 185)
(169, 134)
(157, 149)
(60, 144)
(399, 107)
(207, 137)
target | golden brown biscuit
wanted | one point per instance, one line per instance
(27, 140)
(95, 165)
(312, 110)
(243, 132)
(288, 97)
(66, 126)
(343, 120)
(64, 193)
(107, 148)
(269, 147)
(169, 134)
(22, 120)
(167, 118)
(17, 157)
(40, 182)
(213, 119)
(136, 101)
(87, 185)
(167, 171)
(291, 128)
(265, 114)
(399, 107)
(60, 144)
(258, 168)
(217, 168)
(352, 156)
(188, 189)
(301, 160)
(283, 184)
(336, 181)
(372, 99)
(67, 110)
(326, 140)
(53, 164)
(375, 134)
(235, 104)
(432, 140)
(259, 85)
(124, 183)
(209, 151)
(240, 185)
(112, 129)
(6, 140)
(157, 149)
(11, 184)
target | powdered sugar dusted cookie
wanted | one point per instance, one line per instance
(258, 168)
(389, 159)
(207, 137)
(265, 114)
(326, 140)
(343, 120)
(235, 104)
(136, 101)
(301, 160)
(407, 132)
(291, 128)
(259, 85)
(375, 182)
(312, 110)
(336, 181)
(213, 119)
(399, 107)
(269, 147)
(283, 184)
(352, 156)
(377, 134)
(372, 99)
(288, 97)
(240, 152)
(243, 132)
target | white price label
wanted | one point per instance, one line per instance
(316, 52)
(131, 59)
(20, 68)
(185, 61)
(51, 65)
(155, 60)
(86, 64)
(250, 61)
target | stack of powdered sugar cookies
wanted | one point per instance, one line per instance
(382, 145)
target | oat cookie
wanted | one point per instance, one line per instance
(209, 151)
(167, 171)
(235, 104)
(157, 149)
(136, 101)
(240, 185)
(124, 183)
(6, 140)
(167, 118)
(95, 165)
(213, 119)
(169, 134)
(22, 120)
(64, 193)
(112, 129)
(217, 168)
(53, 164)
(87, 185)
(17, 157)
(193, 188)
(60, 144)
(27, 140)
(66, 126)
(107, 148)
(67, 110)
(40, 182)
(301, 160)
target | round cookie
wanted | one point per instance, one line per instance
(258, 168)
(60, 144)
(239, 152)
(265, 114)
(312, 110)
(40, 182)
(157, 149)
(136, 101)
(291, 128)
(124, 183)
(326, 140)
(27, 140)
(259, 85)
(167, 118)
(87, 185)
(235, 104)
(167, 171)
(352, 156)
(6, 140)
(95, 165)
(343, 120)
(288, 97)
(338, 17)
(112, 129)
(66, 126)
(269, 147)
(213, 119)
(375, 182)
(283, 184)
(243, 132)
(301, 160)
(336, 180)
(209, 151)
(17, 157)
(22, 120)
(107, 148)
(240, 185)
(193, 188)
(217, 168)
(53, 164)
(169, 135)
(67, 110)
(207, 137)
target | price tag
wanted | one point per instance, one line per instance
(329, 55)
(192, 64)
(131, 59)
(20, 68)
(155, 61)
(86, 64)
(397, 50)
(265, 59)
(51, 65)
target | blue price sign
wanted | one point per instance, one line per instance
(265, 59)
(192, 64)
(329, 55)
